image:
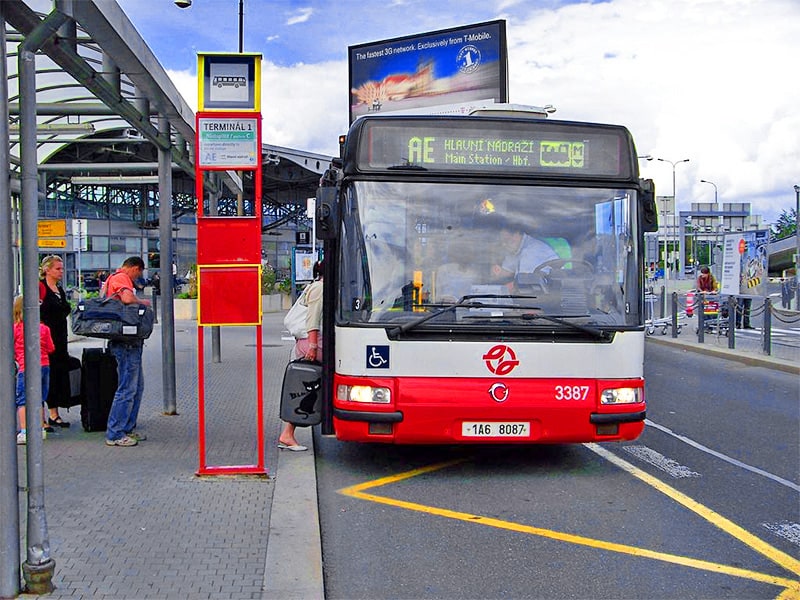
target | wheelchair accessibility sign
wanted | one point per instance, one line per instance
(377, 357)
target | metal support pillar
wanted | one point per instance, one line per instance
(213, 206)
(9, 494)
(39, 566)
(167, 290)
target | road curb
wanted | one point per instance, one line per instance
(768, 362)
(293, 566)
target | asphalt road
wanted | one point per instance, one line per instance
(706, 504)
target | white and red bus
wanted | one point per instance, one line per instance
(483, 281)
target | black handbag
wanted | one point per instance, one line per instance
(110, 319)
(301, 393)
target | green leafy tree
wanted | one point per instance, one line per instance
(786, 224)
(268, 281)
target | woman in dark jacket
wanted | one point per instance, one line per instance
(54, 308)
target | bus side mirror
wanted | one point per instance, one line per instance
(327, 215)
(649, 211)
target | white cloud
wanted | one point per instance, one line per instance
(303, 15)
(697, 79)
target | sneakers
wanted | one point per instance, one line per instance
(135, 435)
(22, 437)
(125, 440)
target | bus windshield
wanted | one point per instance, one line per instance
(458, 255)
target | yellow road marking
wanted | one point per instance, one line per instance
(789, 563)
(792, 588)
(789, 594)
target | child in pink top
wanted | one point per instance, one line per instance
(46, 346)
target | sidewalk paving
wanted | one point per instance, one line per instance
(136, 523)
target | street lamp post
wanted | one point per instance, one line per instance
(241, 26)
(716, 201)
(720, 221)
(188, 3)
(797, 247)
(674, 163)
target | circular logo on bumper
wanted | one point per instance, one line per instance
(498, 392)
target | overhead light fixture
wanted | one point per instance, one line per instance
(114, 179)
(56, 128)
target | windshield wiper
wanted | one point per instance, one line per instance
(593, 331)
(463, 302)
(467, 301)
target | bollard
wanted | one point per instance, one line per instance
(732, 307)
(701, 320)
(663, 300)
(674, 314)
(767, 327)
(39, 578)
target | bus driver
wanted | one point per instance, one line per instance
(524, 254)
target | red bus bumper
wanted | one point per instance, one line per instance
(473, 411)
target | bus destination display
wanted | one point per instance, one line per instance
(517, 153)
(447, 147)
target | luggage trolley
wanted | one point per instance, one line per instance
(651, 324)
(715, 315)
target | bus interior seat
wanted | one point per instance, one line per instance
(561, 247)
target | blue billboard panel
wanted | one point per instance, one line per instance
(452, 66)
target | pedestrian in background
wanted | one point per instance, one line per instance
(125, 408)
(46, 346)
(743, 306)
(54, 308)
(786, 293)
(309, 347)
(706, 281)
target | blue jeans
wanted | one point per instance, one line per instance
(128, 397)
(20, 390)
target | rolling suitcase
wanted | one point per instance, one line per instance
(98, 386)
(301, 393)
(75, 377)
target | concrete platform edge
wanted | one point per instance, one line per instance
(293, 566)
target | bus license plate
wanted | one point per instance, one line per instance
(494, 429)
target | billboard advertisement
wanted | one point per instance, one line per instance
(744, 263)
(463, 65)
(304, 260)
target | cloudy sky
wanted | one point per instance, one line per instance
(705, 80)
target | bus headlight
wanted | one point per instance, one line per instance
(364, 393)
(621, 396)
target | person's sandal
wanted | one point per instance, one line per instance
(57, 422)
(292, 448)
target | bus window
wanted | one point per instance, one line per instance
(413, 252)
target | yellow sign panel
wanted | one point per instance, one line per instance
(52, 243)
(56, 228)
(229, 82)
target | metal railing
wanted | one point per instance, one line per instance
(759, 324)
